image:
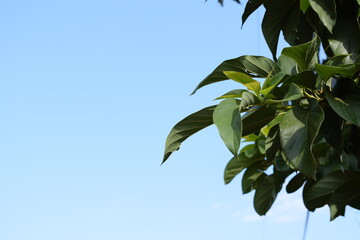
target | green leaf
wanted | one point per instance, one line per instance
(295, 183)
(349, 161)
(348, 110)
(280, 163)
(304, 5)
(345, 37)
(336, 60)
(305, 79)
(260, 143)
(343, 195)
(187, 127)
(255, 119)
(248, 100)
(326, 71)
(245, 80)
(255, 66)
(274, 20)
(251, 174)
(331, 128)
(265, 194)
(260, 66)
(237, 93)
(272, 143)
(305, 55)
(326, 10)
(271, 82)
(250, 7)
(298, 130)
(227, 119)
(287, 65)
(293, 92)
(320, 193)
(236, 165)
(249, 150)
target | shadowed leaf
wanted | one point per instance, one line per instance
(187, 127)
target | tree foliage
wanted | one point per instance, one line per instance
(299, 115)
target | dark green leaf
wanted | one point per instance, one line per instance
(326, 10)
(250, 7)
(280, 163)
(298, 130)
(348, 110)
(187, 127)
(279, 178)
(305, 79)
(236, 165)
(255, 119)
(265, 194)
(326, 71)
(320, 193)
(251, 174)
(273, 22)
(343, 195)
(349, 161)
(346, 34)
(295, 183)
(227, 119)
(293, 92)
(331, 128)
(272, 143)
(305, 55)
(255, 66)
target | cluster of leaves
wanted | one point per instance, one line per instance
(303, 120)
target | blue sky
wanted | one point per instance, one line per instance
(89, 91)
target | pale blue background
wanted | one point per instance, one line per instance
(88, 92)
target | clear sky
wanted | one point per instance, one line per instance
(88, 93)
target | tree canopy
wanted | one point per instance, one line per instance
(298, 114)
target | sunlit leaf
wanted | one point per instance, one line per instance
(254, 66)
(272, 82)
(245, 80)
(232, 94)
